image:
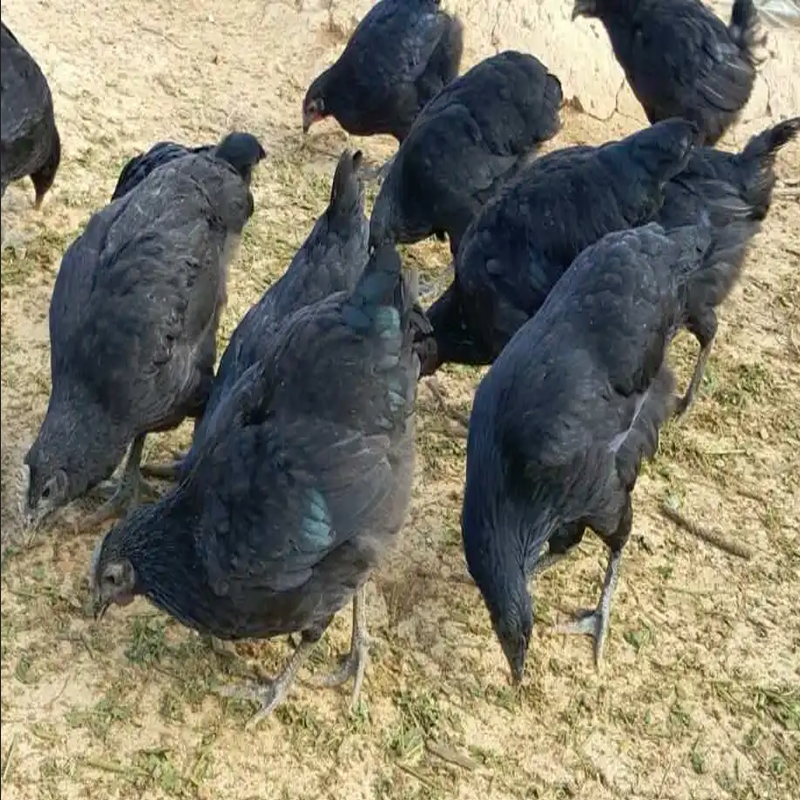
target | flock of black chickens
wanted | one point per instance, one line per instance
(573, 271)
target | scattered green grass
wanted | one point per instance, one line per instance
(38, 257)
(640, 638)
(419, 718)
(147, 640)
(110, 710)
(742, 385)
(140, 674)
(782, 705)
(698, 758)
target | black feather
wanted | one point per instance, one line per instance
(470, 139)
(681, 59)
(524, 239)
(399, 57)
(241, 150)
(331, 260)
(133, 319)
(558, 432)
(303, 479)
(29, 142)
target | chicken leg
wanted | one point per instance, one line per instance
(462, 419)
(270, 694)
(595, 623)
(682, 406)
(222, 648)
(354, 663)
(563, 541)
(378, 174)
(169, 472)
(165, 472)
(547, 561)
(129, 489)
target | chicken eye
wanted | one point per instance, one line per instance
(46, 492)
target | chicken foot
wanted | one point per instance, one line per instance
(129, 489)
(14, 241)
(354, 663)
(595, 622)
(270, 693)
(222, 647)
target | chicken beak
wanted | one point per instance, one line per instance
(582, 8)
(31, 521)
(310, 116)
(99, 607)
(31, 518)
(515, 655)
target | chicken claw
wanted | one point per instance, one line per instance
(595, 622)
(128, 492)
(270, 694)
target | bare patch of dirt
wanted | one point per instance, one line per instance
(699, 696)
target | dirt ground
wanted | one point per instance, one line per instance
(700, 694)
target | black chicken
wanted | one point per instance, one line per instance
(524, 239)
(303, 479)
(520, 245)
(468, 140)
(331, 260)
(399, 57)
(735, 190)
(133, 322)
(681, 60)
(30, 144)
(564, 417)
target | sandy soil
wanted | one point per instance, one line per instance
(700, 696)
